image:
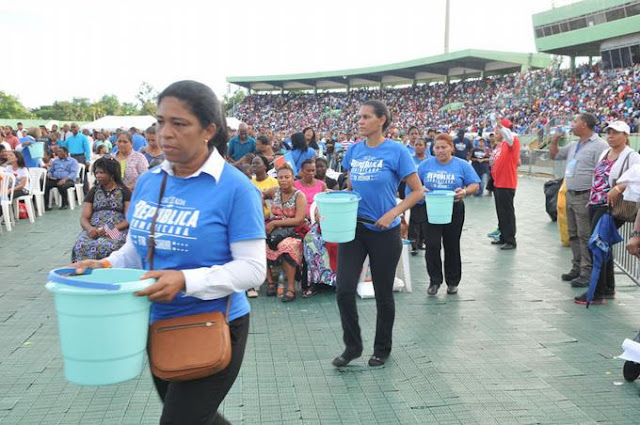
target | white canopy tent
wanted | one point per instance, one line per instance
(141, 122)
(114, 122)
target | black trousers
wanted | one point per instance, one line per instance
(51, 183)
(606, 280)
(447, 235)
(418, 216)
(384, 249)
(196, 402)
(81, 158)
(506, 214)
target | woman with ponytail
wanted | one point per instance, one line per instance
(208, 244)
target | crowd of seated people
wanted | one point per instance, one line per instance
(534, 100)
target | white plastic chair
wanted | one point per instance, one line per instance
(79, 186)
(71, 192)
(312, 213)
(403, 270)
(28, 201)
(6, 198)
(38, 182)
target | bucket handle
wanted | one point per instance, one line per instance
(60, 276)
(342, 192)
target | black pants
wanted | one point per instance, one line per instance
(418, 216)
(506, 214)
(196, 402)
(448, 235)
(51, 183)
(606, 280)
(384, 249)
(81, 158)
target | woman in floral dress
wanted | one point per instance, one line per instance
(104, 212)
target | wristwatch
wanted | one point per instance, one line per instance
(634, 234)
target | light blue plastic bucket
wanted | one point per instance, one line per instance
(440, 206)
(103, 325)
(36, 149)
(338, 215)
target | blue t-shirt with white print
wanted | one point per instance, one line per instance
(375, 174)
(450, 176)
(198, 220)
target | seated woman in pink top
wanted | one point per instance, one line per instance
(308, 184)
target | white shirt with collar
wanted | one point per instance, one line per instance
(247, 269)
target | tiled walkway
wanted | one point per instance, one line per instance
(511, 347)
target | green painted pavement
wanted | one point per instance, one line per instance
(511, 347)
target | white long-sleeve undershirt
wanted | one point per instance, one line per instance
(246, 270)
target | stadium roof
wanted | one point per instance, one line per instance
(468, 63)
(581, 28)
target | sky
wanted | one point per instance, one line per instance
(61, 49)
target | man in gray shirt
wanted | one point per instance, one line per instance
(582, 156)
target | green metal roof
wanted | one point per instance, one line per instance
(587, 41)
(468, 63)
(574, 10)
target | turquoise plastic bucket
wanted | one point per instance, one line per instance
(338, 215)
(103, 325)
(440, 206)
(36, 149)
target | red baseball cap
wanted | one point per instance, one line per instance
(506, 122)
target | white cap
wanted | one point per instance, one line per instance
(619, 126)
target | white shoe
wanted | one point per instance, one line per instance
(252, 293)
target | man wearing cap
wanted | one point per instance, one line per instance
(582, 156)
(504, 171)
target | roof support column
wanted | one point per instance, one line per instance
(348, 86)
(282, 89)
(572, 64)
(381, 86)
(315, 89)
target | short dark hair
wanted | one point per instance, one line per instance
(264, 140)
(321, 159)
(64, 148)
(380, 110)
(589, 119)
(204, 104)
(307, 162)
(111, 166)
(264, 160)
(413, 127)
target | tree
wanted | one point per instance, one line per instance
(10, 107)
(231, 100)
(128, 109)
(110, 104)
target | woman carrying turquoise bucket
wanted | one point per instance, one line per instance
(376, 166)
(196, 223)
(445, 172)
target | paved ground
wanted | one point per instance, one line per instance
(511, 347)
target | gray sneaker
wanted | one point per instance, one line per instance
(580, 282)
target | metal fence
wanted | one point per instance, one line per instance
(537, 162)
(626, 262)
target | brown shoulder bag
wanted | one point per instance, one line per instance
(621, 209)
(188, 347)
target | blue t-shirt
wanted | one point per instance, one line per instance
(375, 175)
(450, 176)
(28, 160)
(138, 142)
(299, 156)
(462, 147)
(237, 149)
(199, 219)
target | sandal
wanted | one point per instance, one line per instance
(286, 298)
(309, 292)
(271, 290)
